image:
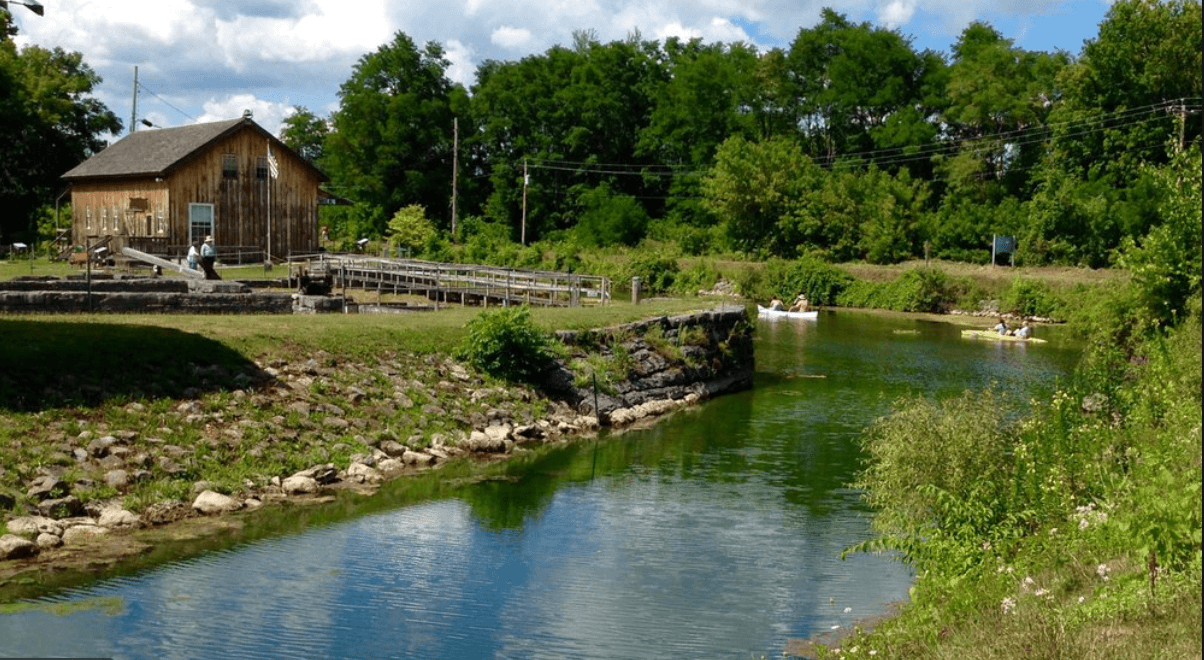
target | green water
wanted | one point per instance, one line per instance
(715, 534)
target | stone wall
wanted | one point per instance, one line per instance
(137, 295)
(668, 359)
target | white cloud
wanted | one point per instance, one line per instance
(510, 38)
(463, 69)
(267, 114)
(896, 13)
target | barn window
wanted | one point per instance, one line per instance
(229, 166)
(88, 217)
(104, 218)
(261, 168)
(159, 218)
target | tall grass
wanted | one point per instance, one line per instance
(1073, 532)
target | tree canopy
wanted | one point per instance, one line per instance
(849, 143)
(49, 123)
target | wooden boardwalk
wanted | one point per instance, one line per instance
(465, 284)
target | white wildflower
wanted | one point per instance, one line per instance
(1082, 599)
(1041, 592)
(1008, 605)
(1083, 524)
(873, 651)
(1102, 571)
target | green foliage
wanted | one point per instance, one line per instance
(305, 133)
(822, 283)
(506, 343)
(917, 290)
(49, 122)
(608, 219)
(658, 272)
(1029, 297)
(391, 140)
(1166, 264)
(755, 186)
(409, 228)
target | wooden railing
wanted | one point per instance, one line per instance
(454, 283)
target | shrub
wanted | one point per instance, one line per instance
(917, 290)
(657, 272)
(1027, 297)
(822, 282)
(505, 343)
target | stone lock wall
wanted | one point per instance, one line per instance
(670, 359)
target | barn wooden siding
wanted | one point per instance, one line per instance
(121, 207)
(240, 204)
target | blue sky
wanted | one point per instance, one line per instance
(208, 60)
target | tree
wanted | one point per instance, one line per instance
(860, 88)
(305, 133)
(756, 188)
(49, 123)
(392, 137)
(999, 99)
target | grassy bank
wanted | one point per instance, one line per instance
(1071, 533)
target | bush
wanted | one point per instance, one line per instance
(657, 272)
(506, 344)
(822, 282)
(1027, 297)
(918, 290)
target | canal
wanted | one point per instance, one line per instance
(715, 534)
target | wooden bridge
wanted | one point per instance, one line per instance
(443, 283)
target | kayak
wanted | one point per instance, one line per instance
(783, 314)
(995, 336)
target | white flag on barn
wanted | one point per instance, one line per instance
(273, 169)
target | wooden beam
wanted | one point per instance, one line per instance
(164, 263)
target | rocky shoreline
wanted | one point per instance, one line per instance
(365, 423)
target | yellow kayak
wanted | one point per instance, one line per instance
(995, 336)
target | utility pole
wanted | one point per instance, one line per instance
(134, 112)
(526, 180)
(455, 170)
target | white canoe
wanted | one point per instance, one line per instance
(776, 314)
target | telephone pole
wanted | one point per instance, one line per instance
(526, 180)
(455, 171)
(134, 112)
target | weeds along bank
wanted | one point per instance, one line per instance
(1072, 532)
(189, 426)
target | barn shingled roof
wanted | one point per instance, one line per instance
(154, 152)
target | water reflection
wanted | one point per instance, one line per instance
(715, 534)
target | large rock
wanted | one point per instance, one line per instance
(299, 484)
(82, 533)
(364, 473)
(211, 503)
(479, 441)
(16, 547)
(63, 507)
(421, 459)
(35, 525)
(118, 518)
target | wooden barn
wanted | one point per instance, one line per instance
(162, 190)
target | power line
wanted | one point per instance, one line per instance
(165, 102)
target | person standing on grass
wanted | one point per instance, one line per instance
(209, 258)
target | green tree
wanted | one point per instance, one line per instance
(756, 188)
(1166, 262)
(305, 133)
(49, 123)
(859, 88)
(392, 134)
(410, 228)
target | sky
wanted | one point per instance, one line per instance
(210, 60)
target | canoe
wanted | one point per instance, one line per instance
(783, 314)
(991, 335)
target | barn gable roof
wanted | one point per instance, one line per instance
(156, 152)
